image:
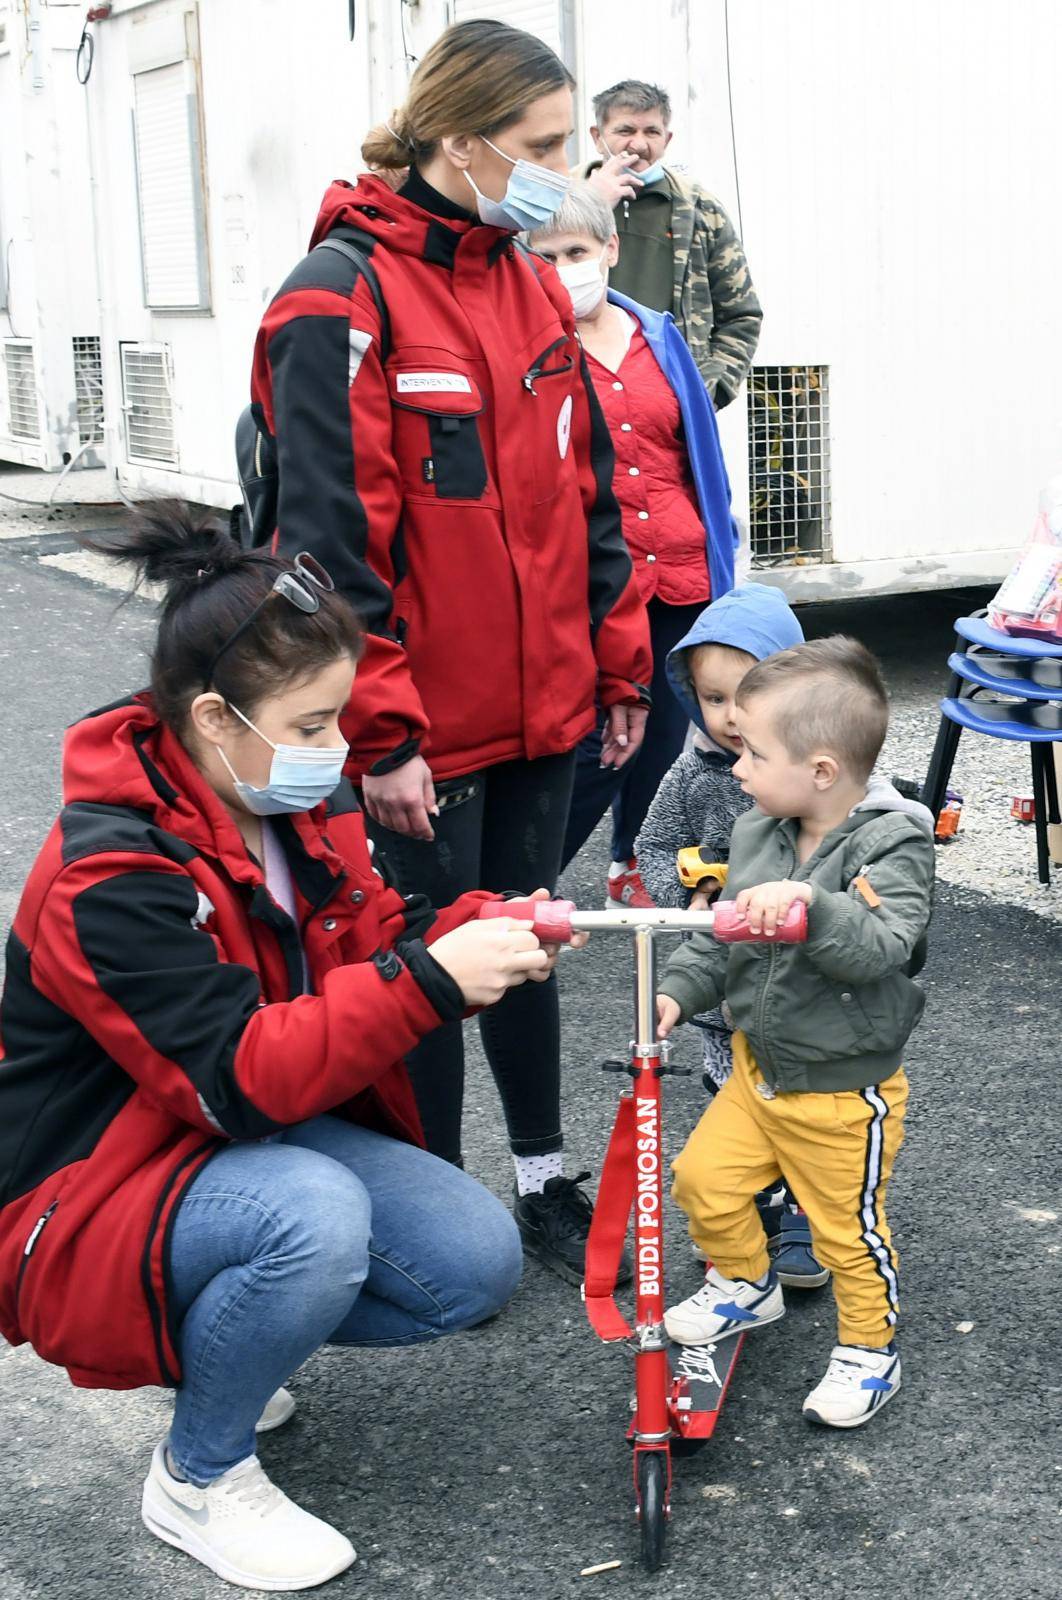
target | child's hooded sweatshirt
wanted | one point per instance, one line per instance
(699, 800)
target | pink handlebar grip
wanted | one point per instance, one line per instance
(731, 927)
(551, 918)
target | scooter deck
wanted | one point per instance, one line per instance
(700, 1377)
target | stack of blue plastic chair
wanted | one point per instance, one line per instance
(1005, 688)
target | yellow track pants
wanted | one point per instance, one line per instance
(835, 1151)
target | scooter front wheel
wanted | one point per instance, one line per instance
(651, 1481)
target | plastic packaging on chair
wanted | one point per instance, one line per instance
(1029, 601)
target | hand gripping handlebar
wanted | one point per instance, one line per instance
(555, 921)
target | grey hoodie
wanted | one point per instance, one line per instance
(699, 800)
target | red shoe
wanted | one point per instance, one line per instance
(629, 890)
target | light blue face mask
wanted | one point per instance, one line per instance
(532, 195)
(299, 777)
(651, 174)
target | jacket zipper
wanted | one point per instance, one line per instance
(31, 1245)
(772, 957)
(762, 1016)
(537, 369)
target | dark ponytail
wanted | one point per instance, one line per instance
(211, 586)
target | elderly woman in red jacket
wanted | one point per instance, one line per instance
(210, 1155)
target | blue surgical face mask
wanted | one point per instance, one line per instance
(532, 195)
(300, 777)
(651, 174)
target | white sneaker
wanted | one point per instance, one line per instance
(243, 1528)
(722, 1307)
(279, 1407)
(857, 1384)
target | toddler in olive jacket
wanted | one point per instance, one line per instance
(817, 1094)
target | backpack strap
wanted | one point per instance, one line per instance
(346, 247)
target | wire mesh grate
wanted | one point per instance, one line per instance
(88, 382)
(789, 465)
(23, 413)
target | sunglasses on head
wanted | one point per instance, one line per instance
(300, 586)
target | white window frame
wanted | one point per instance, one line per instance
(172, 47)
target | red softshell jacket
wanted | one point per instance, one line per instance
(459, 491)
(153, 1009)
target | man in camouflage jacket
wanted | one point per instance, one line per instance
(679, 251)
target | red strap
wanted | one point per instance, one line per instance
(608, 1230)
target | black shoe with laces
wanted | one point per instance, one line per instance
(554, 1224)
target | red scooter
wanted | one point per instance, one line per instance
(678, 1389)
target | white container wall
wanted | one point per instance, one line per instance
(898, 167)
(50, 394)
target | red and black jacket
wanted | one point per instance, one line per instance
(459, 490)
(154, 1008)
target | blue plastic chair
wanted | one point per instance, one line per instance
(1005, 688)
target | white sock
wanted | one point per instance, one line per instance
(619, 869)
(534, 1172)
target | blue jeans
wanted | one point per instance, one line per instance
(327, 1234)
(631, 791)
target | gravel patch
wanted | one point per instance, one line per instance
(991, 852)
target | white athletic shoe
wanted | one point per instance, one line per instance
(278, 1409)
(722, 1307)
(857, 1384)
(243, 1528)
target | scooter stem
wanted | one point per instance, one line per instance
(646, 1042)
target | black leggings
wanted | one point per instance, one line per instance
(499, 829)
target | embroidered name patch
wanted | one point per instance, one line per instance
(425, 382)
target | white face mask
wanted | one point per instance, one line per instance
(585, 283)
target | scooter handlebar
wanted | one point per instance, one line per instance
(731, 927)
(554, 921)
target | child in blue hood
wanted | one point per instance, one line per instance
(698, 803)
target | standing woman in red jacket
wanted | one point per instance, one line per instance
(204, 1119)
(441, 450)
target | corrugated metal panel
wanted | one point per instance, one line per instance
(88, 382)
(169, 180)
(148, 404)
(23, 412)
(541, 17)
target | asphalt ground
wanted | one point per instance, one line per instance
(493, 1466)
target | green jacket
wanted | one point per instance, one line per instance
(714, 302)
(834, 1013)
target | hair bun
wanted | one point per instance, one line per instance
(170, 542)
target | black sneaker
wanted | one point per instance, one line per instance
(554, 1224)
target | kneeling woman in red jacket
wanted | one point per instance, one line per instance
(210, 1157)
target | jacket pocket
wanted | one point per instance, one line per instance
(437, 440)
(548, 381)
(30, 1246)
(887, 1011)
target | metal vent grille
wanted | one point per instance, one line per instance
(147, 401)
(23, 413)
(88, 383)
(789, 465)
